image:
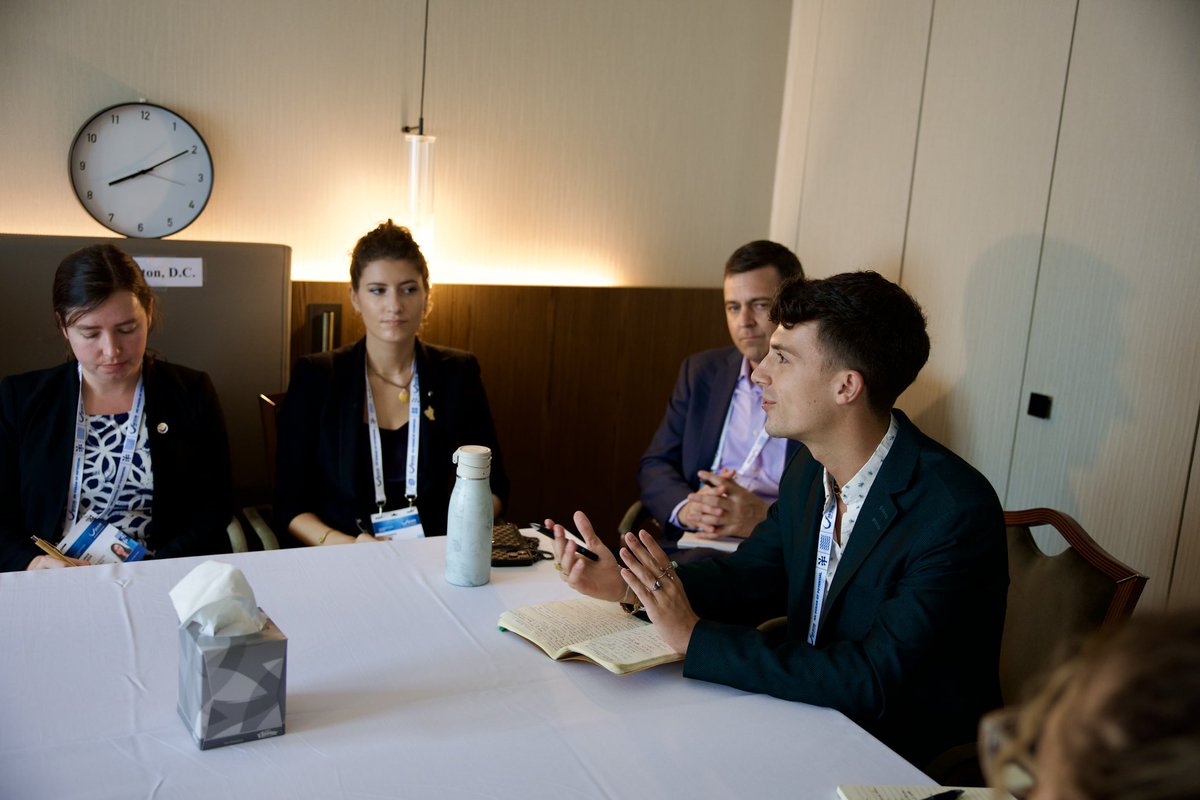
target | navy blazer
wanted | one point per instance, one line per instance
(189, 457)
(687, 437)
(324, 464)
(909, 640)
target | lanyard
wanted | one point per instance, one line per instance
(760, 442)
(824, 550)
(414, 439)
(132, 425)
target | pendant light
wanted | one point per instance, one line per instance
(420, 161)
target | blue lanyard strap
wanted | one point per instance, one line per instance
(824, 551)
(760, 442)
(128, 446)
(414, 439)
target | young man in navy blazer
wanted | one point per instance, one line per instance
(705, 469)
(885, 551)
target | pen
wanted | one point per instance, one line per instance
(51, 550)
(583, 551)
(949, 794)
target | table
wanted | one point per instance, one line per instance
(399, 685)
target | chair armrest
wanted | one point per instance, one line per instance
(237, 537)
(265, 534)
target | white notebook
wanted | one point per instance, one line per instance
(726, 544)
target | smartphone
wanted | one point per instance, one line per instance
(579, 548)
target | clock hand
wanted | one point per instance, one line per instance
(147, 169)
(165, 178)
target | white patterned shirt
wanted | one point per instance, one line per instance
(854, 494)
(131, 513)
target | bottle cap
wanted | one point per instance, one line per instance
(474, 461)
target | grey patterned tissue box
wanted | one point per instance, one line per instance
(232, 688)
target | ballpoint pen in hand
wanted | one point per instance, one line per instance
(51, 550)
(579, 548)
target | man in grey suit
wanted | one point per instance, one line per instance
(885, 551)
(710, 467)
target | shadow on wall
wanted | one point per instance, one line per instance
(1056, 331)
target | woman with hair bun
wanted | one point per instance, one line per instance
(366, 432)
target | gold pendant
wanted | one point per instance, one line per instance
(403, 395)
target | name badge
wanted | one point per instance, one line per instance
(97, 542)
(402, 523)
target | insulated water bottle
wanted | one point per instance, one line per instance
(469, 520)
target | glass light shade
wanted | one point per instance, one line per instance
(420, 181)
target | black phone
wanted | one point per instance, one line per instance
(579, 548)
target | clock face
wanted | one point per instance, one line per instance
(141, 170)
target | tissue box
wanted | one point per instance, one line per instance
(232, 688)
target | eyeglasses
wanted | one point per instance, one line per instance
(1006, 752)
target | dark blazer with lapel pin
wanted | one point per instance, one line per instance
(909, 641)
(189, 456)
(689, 433)
(324, 464)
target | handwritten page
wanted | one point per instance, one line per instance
(916, 793)
(642, 645)
(556, 626)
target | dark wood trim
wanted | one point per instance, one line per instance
(577, 378)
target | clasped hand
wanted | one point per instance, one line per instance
(647, 573)
(722, 507)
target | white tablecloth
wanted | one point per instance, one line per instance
(398, 685)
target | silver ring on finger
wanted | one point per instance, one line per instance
(654, 587)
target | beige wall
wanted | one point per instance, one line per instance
(1030, 171)
(617, 142)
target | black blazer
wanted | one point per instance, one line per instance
(909, 642)
(324, 457)
(687, 437)
(189, 453)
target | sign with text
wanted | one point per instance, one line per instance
(164, 271)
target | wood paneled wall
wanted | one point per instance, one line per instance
(577, 378)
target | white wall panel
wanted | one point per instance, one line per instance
(578, 142)
(1185, 577)
(866, 100)
(993, 92)
(1115, 336)
(793, 128)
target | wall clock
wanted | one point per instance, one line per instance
(141, 170)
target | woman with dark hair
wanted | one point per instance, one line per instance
(114, 437)
(366, 432)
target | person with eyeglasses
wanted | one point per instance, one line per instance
(1120, 721)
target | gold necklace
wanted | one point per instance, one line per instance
(402, 395)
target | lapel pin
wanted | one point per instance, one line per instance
(162, 427)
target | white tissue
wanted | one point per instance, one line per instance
(218, 597)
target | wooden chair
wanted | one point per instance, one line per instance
(1053, 602)
(1056, 600)
(268, 413)
(268, 410)
(637, 516)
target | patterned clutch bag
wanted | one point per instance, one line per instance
(511, 549)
